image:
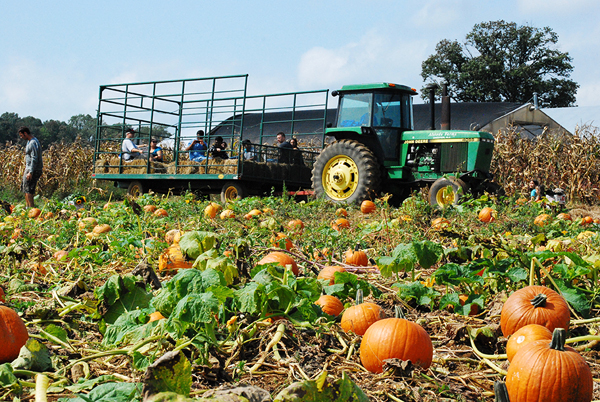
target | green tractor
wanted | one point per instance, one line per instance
(377, 151)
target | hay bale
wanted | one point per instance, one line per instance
(187, 167)
(114, 164)
(215, 166)
(171, 168)
(231, 166)
(101, 166)
(157, 167)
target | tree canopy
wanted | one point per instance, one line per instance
(502, 62)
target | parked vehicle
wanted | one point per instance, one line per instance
(376, 151)
(172, 113)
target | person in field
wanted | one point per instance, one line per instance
(130, 150)
(33, 165)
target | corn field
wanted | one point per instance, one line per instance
(66, 167)
(557, 160)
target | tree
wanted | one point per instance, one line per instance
(503, 62)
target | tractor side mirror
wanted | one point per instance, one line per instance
(335, 93)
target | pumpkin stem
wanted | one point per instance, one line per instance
(539, 300)
(357, 247)
(398, 312)
(558, 339)
(501, 392)
(359, 296)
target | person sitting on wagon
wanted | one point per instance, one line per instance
(285, 148)
(155, 151)
(197, 147)
(297, 158)
(217, 149)
(250, 153)
(130, 150)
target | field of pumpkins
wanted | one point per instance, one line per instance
(176, 298)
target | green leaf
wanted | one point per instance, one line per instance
(120, 295)
(455, 274)
(84, 384)
(58, 332)
(250, 298)
(575, 297)
(219, 263)
(34, 355)
(7, 378)
(130, 327)
(171, 373)
(341, 390)
(195, 243)
(423, 295)
(406, 256)
(193, 309)
(112, 391)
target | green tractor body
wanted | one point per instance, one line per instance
(377, 151)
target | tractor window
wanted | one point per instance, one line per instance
(355, 110)
(392, 110)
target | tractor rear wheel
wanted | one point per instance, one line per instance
(447, 191)
(346, 171)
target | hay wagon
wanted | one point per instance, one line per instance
(172, 112)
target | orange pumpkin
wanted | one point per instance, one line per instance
(160, 212)
(340, 223)
(462, 298)
(34, 212)
(227, 214)
(542, 220)
(88, 223)
(211, 210)
(49, 215)
(328, 273)
(296, 225)
(60, 255)
(276, 241)
(252, 214)
(330, 305)
(564, 217)
(586, 220)
(156, 316)
(361, 316)
(367, 207)
(280, 258)
(356, 257)
(149, 209)
(14, 334)
(173, 236)
(549, 371)
(173, 259)
(2, 296)
(341, 212)
(524, 336)
(103, 228)
(534, 305)
(439, 223)
(487, 215)
(395, 338)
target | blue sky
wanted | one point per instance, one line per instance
(55, 55)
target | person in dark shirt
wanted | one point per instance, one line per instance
(297, 158)
(285, 148)
(33, 165)
(217, 149)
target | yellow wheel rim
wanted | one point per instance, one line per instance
(445, 196)
(231, 193)
(340, 178)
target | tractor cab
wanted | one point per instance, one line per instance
(376, 115)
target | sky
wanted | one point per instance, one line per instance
(55, 55)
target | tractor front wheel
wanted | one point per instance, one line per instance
(447, 191)
(346, 171)
(232, 191)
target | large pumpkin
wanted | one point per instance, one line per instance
(549, 371)
(534, 305)
(524, 336)
(280, 258)
(277, 239)
(395, 338)
(356, 257)
(330, 305)
(13, 333)
(328, 273)
(360, 317)
(340, 223)
(173, 259)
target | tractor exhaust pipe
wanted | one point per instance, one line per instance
(445, 118)
(432, 87)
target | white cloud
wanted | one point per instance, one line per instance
(436, 14)
(374, 58)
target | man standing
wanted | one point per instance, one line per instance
(33, 165)
(285, 148)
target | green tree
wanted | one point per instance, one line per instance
(84, 125)
(503, 62)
